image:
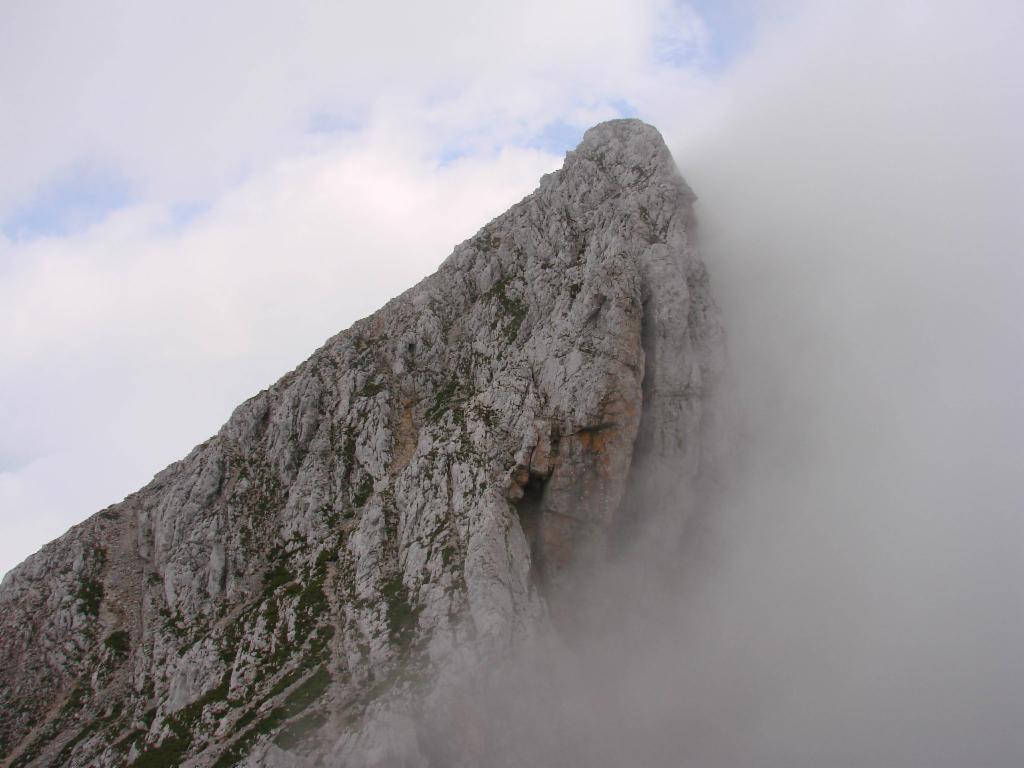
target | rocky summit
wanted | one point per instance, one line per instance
(421, 497)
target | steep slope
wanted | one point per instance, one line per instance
(415, 499)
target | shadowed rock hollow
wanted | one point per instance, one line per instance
(420, 497)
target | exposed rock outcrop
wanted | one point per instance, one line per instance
(418, 497)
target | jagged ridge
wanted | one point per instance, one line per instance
(402, 507)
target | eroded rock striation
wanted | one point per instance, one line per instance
(418, 497)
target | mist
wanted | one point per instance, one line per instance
(851, 595)
(866, 606)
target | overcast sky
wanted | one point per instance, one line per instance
(195, 197)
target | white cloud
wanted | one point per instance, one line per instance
(182, 98)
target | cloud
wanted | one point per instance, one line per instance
(859, 210)
(186, 99)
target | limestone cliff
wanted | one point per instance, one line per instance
(418, 497)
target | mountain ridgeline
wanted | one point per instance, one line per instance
(324, 580)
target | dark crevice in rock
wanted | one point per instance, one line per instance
(530, 509)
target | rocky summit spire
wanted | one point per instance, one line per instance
(421, 495)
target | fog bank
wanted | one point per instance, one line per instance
(855, 596)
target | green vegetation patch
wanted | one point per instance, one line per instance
(307, 692)
(512, 310)
(293, 734)
(182, 725)
(90, 594)
(277, 577)
(363, 492)
(372, 387)
(402, 615)
(119, 642)
(90, 728)
(449, 398)
(348, 450)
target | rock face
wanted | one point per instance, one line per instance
(419, 497)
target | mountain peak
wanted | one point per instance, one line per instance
(622, 154)
(414, 502)
(623, 130)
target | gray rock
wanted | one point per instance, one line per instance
(418, 499)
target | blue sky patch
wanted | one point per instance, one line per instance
(72, 202)
(184, 212)
(730, 25)
(557, 137)
(330, 122)
(451, 153)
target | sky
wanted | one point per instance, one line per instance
(194, 199)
